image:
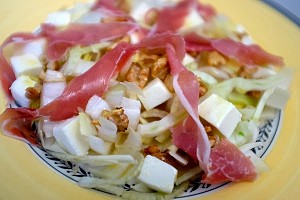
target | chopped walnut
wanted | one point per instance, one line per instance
(160, 68)
(247, 72)
(255, 94)
(151, 17)
(118, 117)
(154, 150)
(216, 59)
(138, 75)
(208, 129)
(33, 92)
(202, 87)
(212, 140)
(169, 82)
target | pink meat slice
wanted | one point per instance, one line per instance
(228, 163)
(83, 87)
(82, 34)
(244, 54)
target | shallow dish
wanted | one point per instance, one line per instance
(23, 176)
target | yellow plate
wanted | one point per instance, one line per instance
(23, 176)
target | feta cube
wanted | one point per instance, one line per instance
(69, 137)
(18, 90)
(34, 47)
(157, 174)
(27, 64)
(192, 19)
(220, 113)
(61, 18)
(154, 94)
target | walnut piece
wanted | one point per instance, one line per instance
(169, 83)
(216, 59)
(160, 69)
(33, 92)
(138, 75)
(118, 117)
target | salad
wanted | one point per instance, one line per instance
(153, 94)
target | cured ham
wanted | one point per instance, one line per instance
(187, 89)
(83, 87)
(228, 163)
(177, 13)
(17, 123)
(82, 34)
(245, 54)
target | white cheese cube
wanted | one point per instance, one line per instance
(18, 90)
(95, 107)
(99, 145)
(220, 113)
(188, 59)
(154, 94)
(158, 175)
(27, 64)
(51, 91)
(61, 18)
(193, 19)
(69, 137)
(36, 47)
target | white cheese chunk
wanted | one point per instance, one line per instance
(193, 19)
(188, 59)
(27, 64)
(154, 94)
(158, 175)
(34, 47)
(220, 113)
(61, 18)
(18, 90)
(69, 137)
(95, 107)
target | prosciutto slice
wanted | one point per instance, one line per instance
(83, 87)
(245, 54)
(228, 163)
(16, 123)
(82, 34)
(187, 89)
(172, 18)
